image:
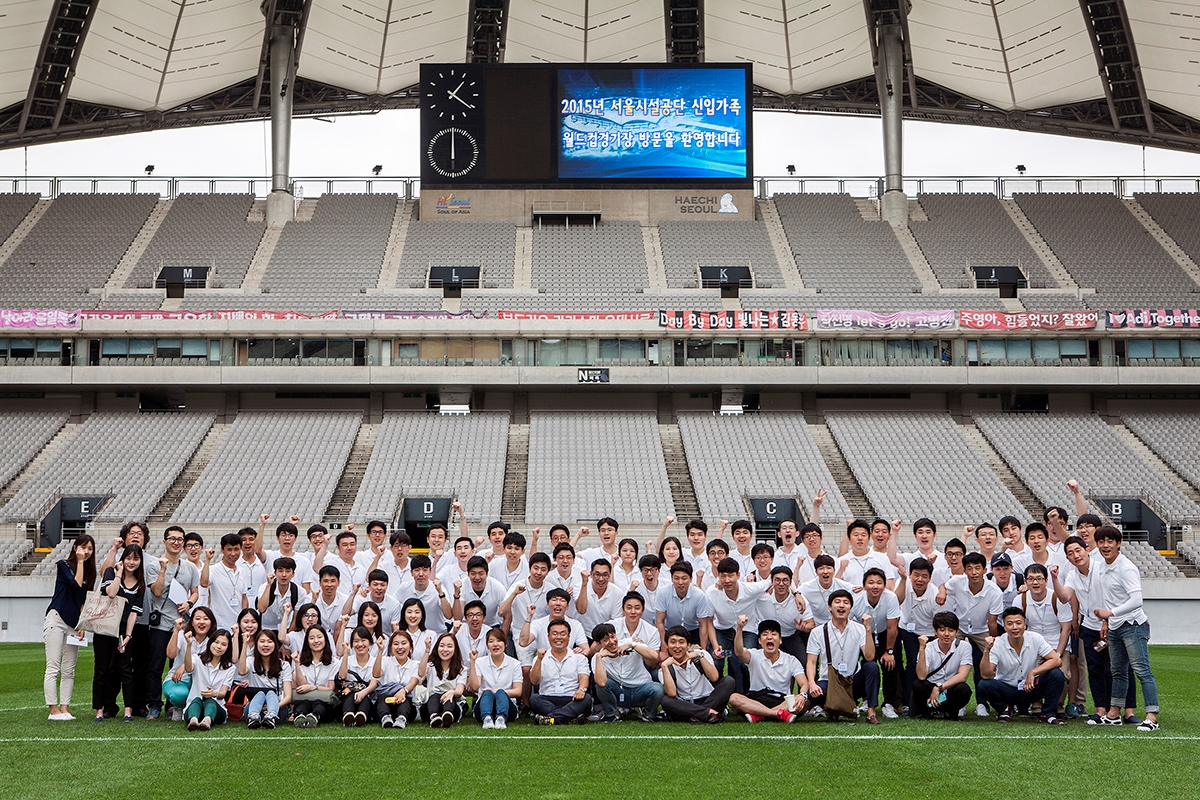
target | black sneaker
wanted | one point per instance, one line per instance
(269, 721)
(254, 721)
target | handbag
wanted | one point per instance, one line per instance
(839, 696)
(101, 614)
(235, 703)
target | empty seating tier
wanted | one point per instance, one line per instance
(13, 209)
(132, 456)
(1047, 450)
(584, 261)
(1173, 438)
(416, 452)
(914, 464)
(686, 246)
(585, 465)
(278, 463)
(966, 230)
(202, 230)
(491, 246)
(24, 434)
(1104, 247)
(78, 241)
(729, 456)
(1177, 215)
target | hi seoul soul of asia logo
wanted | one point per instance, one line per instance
(706, 204)
(449, 204)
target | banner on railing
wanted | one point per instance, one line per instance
(1029, 320)
(147, 315)
(413, 315)
(38, 318)
(241, 315)
(857, 319)
(1153, 318)
(593, 315)
(783, 319)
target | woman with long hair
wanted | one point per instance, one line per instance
(114, 657)
(75, 576)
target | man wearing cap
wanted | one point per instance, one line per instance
(1008, 582)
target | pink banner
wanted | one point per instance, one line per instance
(858, 319)
(143, 314)
(1029, 320)
(1154, 318)
(412, 315)
(38, 318)
(530, 315)
(270, 315)
(734, 320)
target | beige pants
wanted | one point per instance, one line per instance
(60, 660)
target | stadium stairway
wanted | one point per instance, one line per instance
(1149, 456)
(26, 565)
(769, 214)
(998, 465)
(22, 230)
(679, 475)
(847, 484)
(1047, 256)
(349, 483)
(1182, 564)
(390, 269)
(1177, 253)
(188, 475)
(138, 246)
(516, 475)
(35, 465)
(262, 258)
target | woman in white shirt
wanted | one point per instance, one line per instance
(396, 674)
(495, 681)
(625, 571)
(357, 682)
(314, 679)
(412, 621)
(306, 617)
(212, 675)
(270, 680)
(202, 625)
(446, 679)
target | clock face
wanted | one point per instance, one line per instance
(453, 152)
(453, 94)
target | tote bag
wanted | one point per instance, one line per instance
(101, 614)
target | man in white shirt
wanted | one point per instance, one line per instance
(772, 674)
(1038, 540)
(943, 668)
(429, 591)
(598, 600)
(783, 603)
(350, 572)
(742, 533)
(978, 604)
(852, 565)
(1043, 613)
(565, 576)
(918, 607)
(692, 688)
(561, 676)
(330, 600)
(925, 534)
(472, 634)
(607, 529)
(521, 595)
(788, 552)
(1018, 669)
(377, 592)
(623, 661)
(684, 604)
(254, 567)
(1117, 596)
(398, 564)
(286, 535)
(1007, 579)
(730, 598)
(882, 606)
(455, 569)
(226, 582)
(813, 540)
(816, 592)
(837, 645)
(479, 586)
(510, 565)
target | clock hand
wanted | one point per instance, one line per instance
(454, 94)
(451, 145)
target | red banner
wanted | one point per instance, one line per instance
(734, 320)
(1029, 320)
(553, 315)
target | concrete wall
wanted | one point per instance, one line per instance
(647, 206)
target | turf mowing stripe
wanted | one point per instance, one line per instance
(650, 737)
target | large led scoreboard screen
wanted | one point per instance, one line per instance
(584, 125)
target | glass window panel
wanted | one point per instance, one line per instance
(633, 348)
(925, 348)
(1072, 347)
(699, 348)
(167, 348)
(1020, 348)
(725, 348)
(344, 348)
(487, 348)
(459, 348)
(287, 348)
(991, 349)
(313, 348)
(872, 348)
(972, 351)
(49, 346)
(576, 351)
(1190, 348)
(194, 348)
(899, 348)
(1140, 348)
(141, 347)
(1166, 348)
(108, 347)
(261, 348)
(1045, 348)
(3, 347)
(403, 349)
(610, 348)
(552, 352)
(752, 348)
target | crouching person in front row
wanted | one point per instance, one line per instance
(1020, 668)
(771, 673)
(561, 677)
(943, 670)
(693, 690)
(838, 644)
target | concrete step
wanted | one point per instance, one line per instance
(769, 213)
(1039, 245)
(655, 266)
(395, 247)
(1177, 253)
(516, 475)
(843, 476)
(189, 474)
(679, 475)
(22, 230)
(138, 247)
(983, 448)
(344, 494)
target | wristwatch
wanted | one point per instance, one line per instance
(891, 652)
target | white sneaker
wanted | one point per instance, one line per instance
(488, 724)
(500, 725)
(64, 716)
(962, 712)
(889, 712)
(176, 715)
(401, 722)
(862, 708)
(981, 710)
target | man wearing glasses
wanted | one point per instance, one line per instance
(174, 584)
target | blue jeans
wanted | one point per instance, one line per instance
(645, 696)
(999, 694)
(266, 698)
(493, 704)
(1099, 673)
(1130, 646)
(866, 685)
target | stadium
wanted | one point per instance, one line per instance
(587, 305)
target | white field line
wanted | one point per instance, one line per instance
(200, 738)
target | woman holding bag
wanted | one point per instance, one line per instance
(114, 656)
(75, 577)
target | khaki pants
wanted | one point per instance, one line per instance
(60, 660)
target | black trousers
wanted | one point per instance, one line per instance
(562, 709)
(405, 709)
(890, 679)
(684, 710)
(113, 673)
(957, 697)
(156, 661)
(139, 655)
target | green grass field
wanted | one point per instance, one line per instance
(977, 758)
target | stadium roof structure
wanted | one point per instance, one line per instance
(1120, 70)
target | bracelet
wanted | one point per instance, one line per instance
(442, 595)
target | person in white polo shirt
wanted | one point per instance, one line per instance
(561, 677)
(772, 674)
(943, 669)
(693, 690)
(1019, 669)
(838, 644)
(622, 663)
(978, 603)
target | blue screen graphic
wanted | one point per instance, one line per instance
(652, 124)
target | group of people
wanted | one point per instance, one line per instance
(500, 627)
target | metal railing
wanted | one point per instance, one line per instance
(409, 187)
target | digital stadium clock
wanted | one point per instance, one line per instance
(453, 152)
